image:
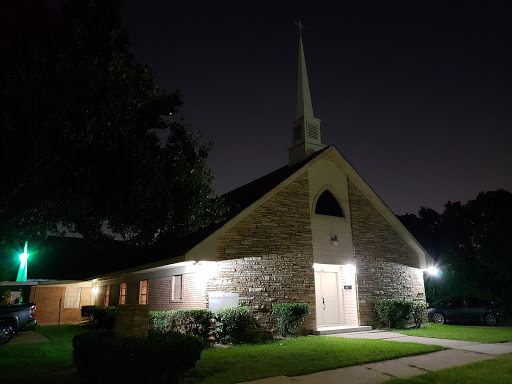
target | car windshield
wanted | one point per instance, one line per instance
(438, 303)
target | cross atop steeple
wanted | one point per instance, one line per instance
(306, 128)
(301, 27)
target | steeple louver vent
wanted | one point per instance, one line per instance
(312, 130)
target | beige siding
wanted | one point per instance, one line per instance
(348, 296)
(326, 175)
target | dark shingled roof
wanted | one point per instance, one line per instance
(70, 258)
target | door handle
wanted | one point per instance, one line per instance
(323, 302)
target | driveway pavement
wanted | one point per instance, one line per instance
(27, 337)
(461, 352)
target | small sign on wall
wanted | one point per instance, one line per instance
(222, 300)
(347, 287)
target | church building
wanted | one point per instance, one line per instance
(312, 231)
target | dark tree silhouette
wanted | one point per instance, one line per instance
(470, 243)
(78, 147)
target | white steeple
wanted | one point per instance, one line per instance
(306, 129)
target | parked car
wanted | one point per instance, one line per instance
(464, 310)
(13, 318)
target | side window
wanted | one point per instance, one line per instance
(122, 294)
(107, 295)
(328, 205)
(456, 302)
(72, 297)
(177, 285)
(143, 292)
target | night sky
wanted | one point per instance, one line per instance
(416, 95)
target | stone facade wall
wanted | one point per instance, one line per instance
(386, 267)
(268, 256)
(132, 320)
(47, 304)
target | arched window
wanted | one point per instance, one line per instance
(328, 205)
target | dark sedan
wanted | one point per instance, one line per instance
(464, 309)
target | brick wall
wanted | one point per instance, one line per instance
(193, 293)
(47, 302)
(268, 256)
(386, 267)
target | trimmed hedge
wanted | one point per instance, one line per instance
(235, 325)
(395, 313)
(100, 317)
(191, 322)
(290, 315)
(161, 357)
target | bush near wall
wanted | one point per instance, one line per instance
(396, 313)
(100, 317)
(191, 322)
(418, 313)
(235, 325)
(161, 357)
(290, 316)
(393, 312)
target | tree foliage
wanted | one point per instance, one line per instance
(78, 116)
(470, 243)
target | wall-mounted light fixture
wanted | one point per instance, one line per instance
(334, 240)
(94, 290)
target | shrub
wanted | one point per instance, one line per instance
(290, 315)
(161, 357)
(418, 312)
(100, 317)
(235, 325)
(191, 322)
(393, 312)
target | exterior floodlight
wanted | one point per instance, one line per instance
(22, 271)
(434, 271)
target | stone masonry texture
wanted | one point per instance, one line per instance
(267, 257)
(132, 320)
(386, 267)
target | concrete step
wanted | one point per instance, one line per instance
(341, 329)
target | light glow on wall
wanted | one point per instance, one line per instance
(22, 271)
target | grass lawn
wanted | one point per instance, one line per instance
(39, 359)
(297, 356)
(480, 334)
(494, 371)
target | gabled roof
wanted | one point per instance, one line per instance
(81, 259)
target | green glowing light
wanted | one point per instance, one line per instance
(22, 271)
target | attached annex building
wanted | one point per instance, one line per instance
(312, 231)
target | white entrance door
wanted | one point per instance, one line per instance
(327, 299)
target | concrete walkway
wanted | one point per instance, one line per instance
(461, 352)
